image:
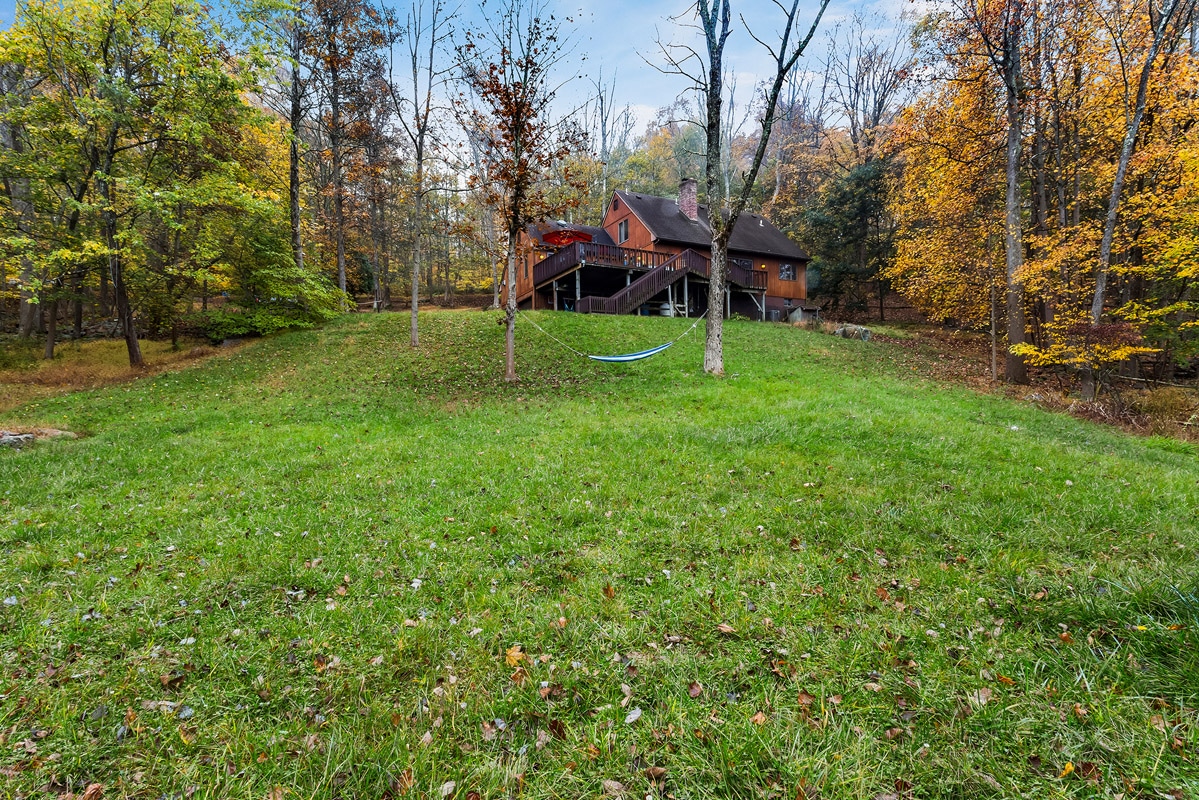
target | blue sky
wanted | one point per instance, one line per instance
(620, 35)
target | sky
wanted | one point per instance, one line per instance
(620, 37)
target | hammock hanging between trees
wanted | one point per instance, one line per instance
(617, 359)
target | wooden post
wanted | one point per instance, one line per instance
(728, 303)
(686, 300)
(555, 294)
(670, 298)
(578, 285)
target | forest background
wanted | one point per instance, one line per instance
(1024, 168)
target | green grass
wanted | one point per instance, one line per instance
(319, 552)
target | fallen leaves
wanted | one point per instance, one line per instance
(609, 592)
(726, 629)
(514, 655)
(759, 719)
(632, 716)
(981, 697)
(614, 788)
(694, 689)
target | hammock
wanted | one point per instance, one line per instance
(653, 351)
(623, 358)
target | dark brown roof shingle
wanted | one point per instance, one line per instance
(753, 235)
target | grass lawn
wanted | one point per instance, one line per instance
(327, 566)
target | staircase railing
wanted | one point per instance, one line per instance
(648, 285)
(747, 278)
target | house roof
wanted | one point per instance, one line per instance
(537, 232)
(666, 222)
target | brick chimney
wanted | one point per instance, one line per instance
(689, 198)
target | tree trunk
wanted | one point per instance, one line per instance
(510, 311)
(1126, 151)
(102, 299)
(339, 205)
(293, 154)
(108, 227)
(51, 329)
(417, 256)
(77, 291)
(714, 325)
(1089, 384)
(1015, 370)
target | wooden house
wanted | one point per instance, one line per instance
(651, 255)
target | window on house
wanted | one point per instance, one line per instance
(616, 204)
(787, 302)
(786, 272)
(622, 231)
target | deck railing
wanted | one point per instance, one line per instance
(651, 283)
(648, 261)
(607, 255)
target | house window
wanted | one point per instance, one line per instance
(787, 302)
(616, 204)
(786, 272)
(622, 231)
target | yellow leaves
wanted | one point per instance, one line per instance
(514, 655)
(1067, 770)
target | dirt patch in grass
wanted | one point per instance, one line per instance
(91, 364)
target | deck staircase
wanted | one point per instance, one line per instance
(631, 297)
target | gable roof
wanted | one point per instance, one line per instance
(537, 232)
(666, 222)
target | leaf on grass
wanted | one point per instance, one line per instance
(694, 689)
(276, 793)
(447, 788)
(882, 594)
(724, 627)
(427, 739)
(871, 686)
(519, 676)
(614, 788)
(892, 733)
(543, 739)
(514, 655)
(558, 728)
(632, 716)
(806, 699)
(94, 791)
(376, 661)
(655, 774)
(981, 697)
(1158, 722)
(759, 718)
(1066, 770)
(1005, 680)
(609, 592)
(1066, 637)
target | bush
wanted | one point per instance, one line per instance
(234, 323)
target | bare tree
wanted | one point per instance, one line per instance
(715, 18)
(868, 73)
(425, 33)
(510, 65)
